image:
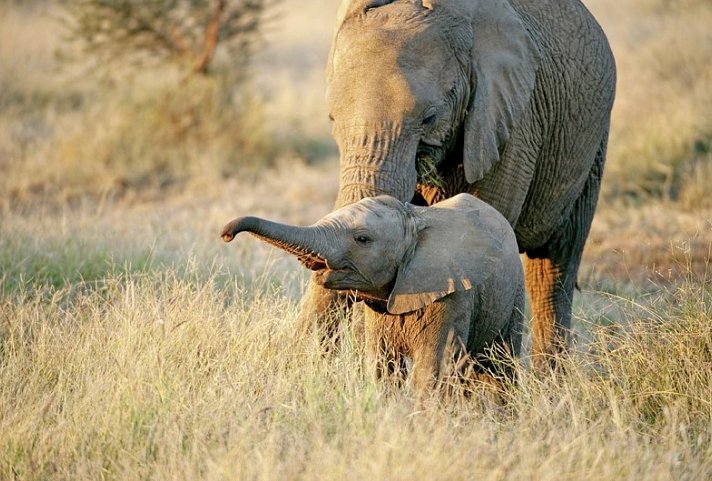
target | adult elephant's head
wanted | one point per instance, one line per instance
(416, 79)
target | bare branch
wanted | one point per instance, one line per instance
(211, 39)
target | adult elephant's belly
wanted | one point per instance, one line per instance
(558, 184)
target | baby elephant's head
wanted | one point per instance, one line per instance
(369, 242)
(386, 250)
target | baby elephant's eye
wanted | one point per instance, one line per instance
(363, 239)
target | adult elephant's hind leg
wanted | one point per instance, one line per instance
(551, 270)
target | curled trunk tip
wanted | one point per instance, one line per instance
(236, 226)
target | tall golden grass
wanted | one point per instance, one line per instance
(195, 376)
(135, 345)
(661, 141)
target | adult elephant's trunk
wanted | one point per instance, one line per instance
(309, 244)
(376, 163)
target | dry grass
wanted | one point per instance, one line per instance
(662, 131)
(135, 345)
(196, 376)
(649, 246)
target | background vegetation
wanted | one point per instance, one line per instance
(135, 345)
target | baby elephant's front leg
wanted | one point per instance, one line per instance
(383, 358)
(434, 333)
(426, 367)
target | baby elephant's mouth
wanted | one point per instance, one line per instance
(340, 279)
(328, 274)
(313, 263)
(326, 277)
(312, 260)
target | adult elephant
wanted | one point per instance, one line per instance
(508, 100)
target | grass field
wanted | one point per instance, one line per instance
(135, 345)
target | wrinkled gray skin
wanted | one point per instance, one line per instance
(510, 99)
(433, 278)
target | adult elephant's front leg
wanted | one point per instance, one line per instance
(323, 309)
(550, 272)
(550, 284)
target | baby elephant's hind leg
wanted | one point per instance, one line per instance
(498, 360)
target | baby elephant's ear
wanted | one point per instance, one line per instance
(456, 251)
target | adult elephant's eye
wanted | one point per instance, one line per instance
(429, 120)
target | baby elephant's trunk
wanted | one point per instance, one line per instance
(307, 243)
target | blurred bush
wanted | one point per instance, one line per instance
(140, 141)
(186, 32)
(143, 96)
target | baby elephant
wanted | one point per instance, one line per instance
(434, 279)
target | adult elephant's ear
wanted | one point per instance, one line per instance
(455, 251)
(504, 64)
